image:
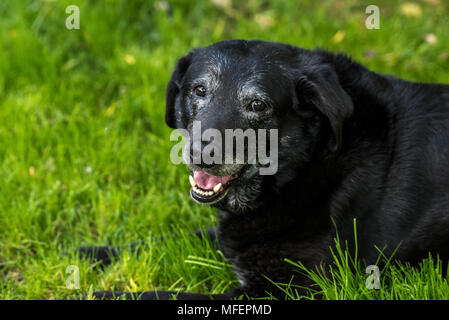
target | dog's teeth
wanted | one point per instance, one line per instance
(199, 191)
(192, 181)
(217, 187)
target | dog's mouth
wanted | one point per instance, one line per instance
(208, 189)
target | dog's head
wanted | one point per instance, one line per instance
(245, 87)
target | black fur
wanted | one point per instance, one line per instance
(354, 144)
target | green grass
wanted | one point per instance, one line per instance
(84, 147)
(346, 278)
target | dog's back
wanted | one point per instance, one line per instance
(404, 127)
(416, 204)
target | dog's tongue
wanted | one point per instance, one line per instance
(207, 181)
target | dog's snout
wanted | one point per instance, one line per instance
(197, 156)
(196, 148)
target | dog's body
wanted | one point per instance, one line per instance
(353, 144)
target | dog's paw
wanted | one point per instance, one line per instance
(103, 254)
(158, 295)
(119, 295)
(104, 295)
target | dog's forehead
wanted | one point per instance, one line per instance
(237, 59)
(235, 66)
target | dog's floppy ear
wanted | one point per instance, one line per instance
(320, 87)
(172, 95)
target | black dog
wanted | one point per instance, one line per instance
(353, 144)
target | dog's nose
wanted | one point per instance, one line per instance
(196, 154)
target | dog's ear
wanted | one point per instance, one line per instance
(172, 95)
(319, 86)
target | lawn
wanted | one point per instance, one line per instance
(84, 155)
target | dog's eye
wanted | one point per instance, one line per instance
(258, 105)
(200, 91)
